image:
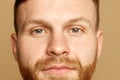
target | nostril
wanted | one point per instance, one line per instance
(65, 52)
(53, 53)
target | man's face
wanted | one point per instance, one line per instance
(57, 39)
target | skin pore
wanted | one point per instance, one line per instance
(57, 39)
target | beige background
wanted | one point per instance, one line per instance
(108, 67)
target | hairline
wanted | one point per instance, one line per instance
(18, 2)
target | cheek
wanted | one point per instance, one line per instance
(84, 50)
(30, 50)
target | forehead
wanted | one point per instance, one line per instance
(57, 9)
(56, 2)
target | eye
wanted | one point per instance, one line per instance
(75, 30)
(38, 31)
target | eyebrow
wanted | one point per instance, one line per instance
(82, 19)
(36, 21)
(48, 24)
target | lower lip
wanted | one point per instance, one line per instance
(57, 71)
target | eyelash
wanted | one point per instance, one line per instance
(76, 29)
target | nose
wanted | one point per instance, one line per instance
(58, 46)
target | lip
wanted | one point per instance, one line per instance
(57, 69)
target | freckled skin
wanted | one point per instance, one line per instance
(57, 34)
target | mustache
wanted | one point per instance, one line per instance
(71, 63)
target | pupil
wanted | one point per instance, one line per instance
(38, 31)
(75, 30)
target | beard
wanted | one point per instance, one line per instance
(82, 72)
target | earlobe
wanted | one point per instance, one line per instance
(14, 45)
(100, 42)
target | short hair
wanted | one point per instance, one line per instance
(18, 2)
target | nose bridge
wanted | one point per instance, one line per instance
(58, 44)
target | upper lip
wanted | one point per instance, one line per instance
(58, 67)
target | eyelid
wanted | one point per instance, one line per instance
(77, 26)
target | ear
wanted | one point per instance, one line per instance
(14, 45)
(100, 42)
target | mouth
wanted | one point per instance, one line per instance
(58, 69)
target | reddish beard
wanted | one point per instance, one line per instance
(84, 73)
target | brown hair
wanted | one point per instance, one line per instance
(18, 2)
